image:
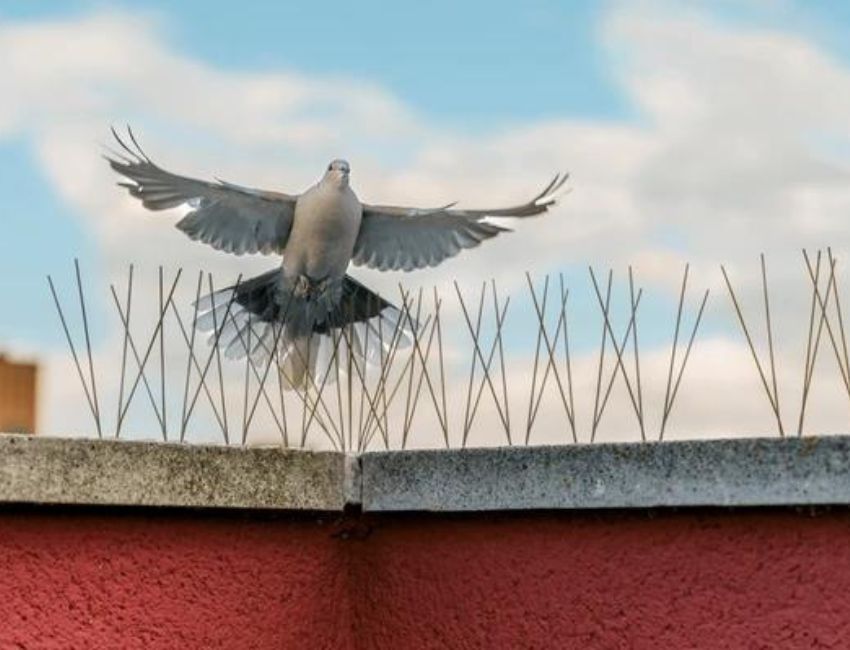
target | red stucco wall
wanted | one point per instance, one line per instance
(753, 579)
(719, 580)
(81, 580)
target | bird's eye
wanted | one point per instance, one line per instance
(330, 167)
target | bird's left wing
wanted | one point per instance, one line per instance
(228, 217)
(395, 238)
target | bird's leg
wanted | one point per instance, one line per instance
(310, 288)
(303, 286)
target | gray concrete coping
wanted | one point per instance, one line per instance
(733, 472)
(35, 469)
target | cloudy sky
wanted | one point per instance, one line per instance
(694, 132)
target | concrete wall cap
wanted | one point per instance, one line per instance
(37, 469)
(729, 472)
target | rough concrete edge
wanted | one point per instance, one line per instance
(42, 470)
(353, 475)
(726, 472)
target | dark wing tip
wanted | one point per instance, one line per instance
(136, 144)
(554, 185)
(131, 154)
(550, 194)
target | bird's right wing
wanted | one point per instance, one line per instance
(228, 217)
(397, 238)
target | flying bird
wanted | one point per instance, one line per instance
(319, 233)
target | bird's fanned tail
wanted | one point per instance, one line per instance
(313, 329)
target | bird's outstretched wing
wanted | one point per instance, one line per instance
(228, 217)
(397, 238)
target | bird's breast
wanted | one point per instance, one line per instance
(324, 229)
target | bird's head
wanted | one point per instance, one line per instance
(337, 172)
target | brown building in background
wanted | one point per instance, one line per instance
(17, 396)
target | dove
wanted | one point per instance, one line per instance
(298, 308)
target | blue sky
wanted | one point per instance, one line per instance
(461, 62)
(694, 131)
(496, 62)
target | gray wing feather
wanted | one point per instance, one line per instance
(398, 238)
(228, 217)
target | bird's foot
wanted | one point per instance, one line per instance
(308, 288)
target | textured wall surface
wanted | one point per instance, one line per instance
(110, 472)
(699, 579)
(83, 580)
(711, 580)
